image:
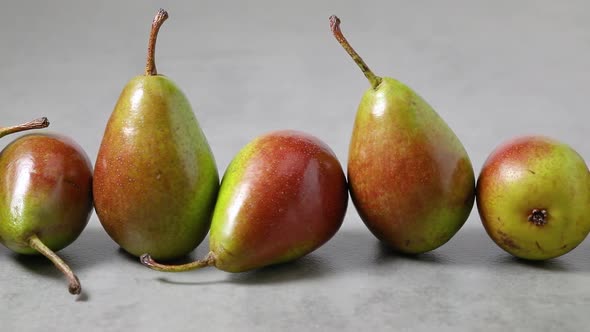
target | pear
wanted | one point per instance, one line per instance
(156, 180)
(531, 196)
(410, 177)
(45, 197)
(282, 197)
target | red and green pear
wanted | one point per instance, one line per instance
(532, 196)
(45, 197)
(410, 177)
(156, 180)
(282, 197)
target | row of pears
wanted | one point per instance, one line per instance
(157, 193)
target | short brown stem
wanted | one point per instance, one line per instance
(335, 27)
(148, 261)
(35, 124)
(150, 67)
(74, 283)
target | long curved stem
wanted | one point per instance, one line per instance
(148, 261)
(35, 124)
(335, 27)
(150, 67)
(74, 283)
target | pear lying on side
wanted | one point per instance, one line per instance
(45, 197)
(532, 196)
(282, 197)
(410, 177)
(155, 177)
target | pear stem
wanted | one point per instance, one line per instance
(335, 27)
(150, 67)
(35, 124)
(148, 261)
(74, 287)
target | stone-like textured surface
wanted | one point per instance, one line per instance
(491, 69)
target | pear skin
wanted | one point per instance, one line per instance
(531, 196)
(283, 196)
(156, 180)
(410, 177)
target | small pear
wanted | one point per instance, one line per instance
(156, 180)
(532, 196)
(45, 197)
(282, 197)
(410, 177)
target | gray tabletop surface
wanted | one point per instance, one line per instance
(492, 69)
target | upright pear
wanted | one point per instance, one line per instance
(282, 196)
(155, 176)
(410, 177)
(532, 196)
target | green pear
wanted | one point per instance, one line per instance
(410, 177)
(532, 196)
(156, 180)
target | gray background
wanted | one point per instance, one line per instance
(492, 69)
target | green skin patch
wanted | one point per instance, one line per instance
(223, 242)
(34, 216)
